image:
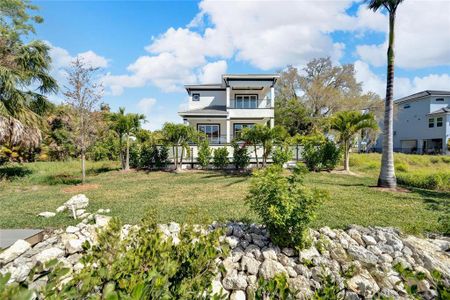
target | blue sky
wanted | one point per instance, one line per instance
(149, 49)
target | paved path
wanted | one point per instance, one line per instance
(9, 236)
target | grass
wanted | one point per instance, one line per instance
(201, 197)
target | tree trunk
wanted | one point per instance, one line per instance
(346, 157)
(83, 167)
(256, 156)
(122, 160)
(176, 157)
(387, 174)
(180, 166)
(127, 162)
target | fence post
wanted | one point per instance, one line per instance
(296, 152)
(192, 158)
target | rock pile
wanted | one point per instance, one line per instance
(360, 260)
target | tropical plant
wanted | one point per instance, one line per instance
(204, 153)
(125, 125)
(24, 76)
(220, 158)
(348, 124)
(281, 155)
(387, 172)
(178, 135)
(284, 204)
(82, 94)
(241, 158)
(320, 153)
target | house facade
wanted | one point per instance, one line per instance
(222, 110)
(422, 123)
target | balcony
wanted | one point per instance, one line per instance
(244, 109)
(249, 103)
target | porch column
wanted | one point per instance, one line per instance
(272, 97)
(228, 96)
(228, 131)
(272, 122)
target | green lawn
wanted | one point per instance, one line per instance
(201, 197)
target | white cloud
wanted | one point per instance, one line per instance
(92, 59)
(421, 33)
(145, 105)
(402, 86)
(61, 58)
(212, 72)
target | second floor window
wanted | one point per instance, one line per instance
(196, 97)
(439, 122)
(246, 101)
(431, 123)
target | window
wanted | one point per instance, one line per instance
(196, 97)
(246, 101)
(237, 128)
(439, 122)
(212, 132)
(430, 123)
(439, 99)
(406, 106)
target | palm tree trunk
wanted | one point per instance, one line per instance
(127, 162)
(176, 157)
(256, 156)
(83, 167)
(346, 157)
(387, 174)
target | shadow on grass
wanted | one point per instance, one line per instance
(62, 179)
(436, 201)
(11, 173)
(102, 169)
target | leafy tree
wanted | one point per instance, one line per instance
(293, 115)
(387, 172)
(319, 153)
(125, 125)
(204, 153)
(82, 94)
(60, 139)
(348, 124)
(178, 135)
(24, 76)
(220, 158)
(241, 159)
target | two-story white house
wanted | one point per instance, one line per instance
(422, 123)
(222, 110)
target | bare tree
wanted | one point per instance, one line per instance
(82, 93)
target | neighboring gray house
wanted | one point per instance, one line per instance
(422, 123)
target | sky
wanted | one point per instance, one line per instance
(147, 50)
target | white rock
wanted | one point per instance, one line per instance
(328, 232)
(250, 265)
(269, 268)
(363, 284)
(174, 227)
(232, 241)
(77, 202)
(74, 246)
(72, 229)
(369, 240)
(217, 288)
(60, 209)
(238, 295)
(79, 212)
(101, 220)
(78, 266)
(20, 273)
(288, 251)
(308, 254)
(234, 281)
(16, 249)
(47, 214)
(362, 254)
(269, 253)
(49, 254)
(107, 211)
(101, 211)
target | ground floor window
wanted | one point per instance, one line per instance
(212, 132)
(237, 128)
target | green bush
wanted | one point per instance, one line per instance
(284, 204)
(220, 158)
(204, 153)
(320, 154)
(135, 155)
(241, 158)
(143, 265)
(436, 181)
(281, 155)
(148, 156)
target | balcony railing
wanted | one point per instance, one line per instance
(249, 104)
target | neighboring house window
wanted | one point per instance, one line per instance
(246, 101)
(439, 99)
(212, 131)
(439, 122)
(237, 128)
(195, 97)
(431, 123)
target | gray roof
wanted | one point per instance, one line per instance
(214, 110)
(423, 94)
(444, 110)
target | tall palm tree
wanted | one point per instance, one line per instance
(348, 124)
(125, 125)
(387, 174)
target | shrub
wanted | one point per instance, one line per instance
(204, 153)
(241, 158)
(285, 206)
(143, 265)
(281, 155)
(162, 159)
(437, 181)
(320, 154)
(135, 155)
(220, 159)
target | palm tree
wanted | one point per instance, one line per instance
(348, 124)
(125, 125)
(178, 135)
(387, 174)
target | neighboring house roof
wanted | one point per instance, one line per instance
(422, 95)
(443, 110)
(214, 110)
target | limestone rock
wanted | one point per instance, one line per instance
(47, 214)
(362, 254)
(238, 295)
(102, 221)
(269, 268)
(251, 265)
(234, 281)
(60, 209)
(363, 284)
(77, 202)
(74, 246)
(49, 254)
(16, 249)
